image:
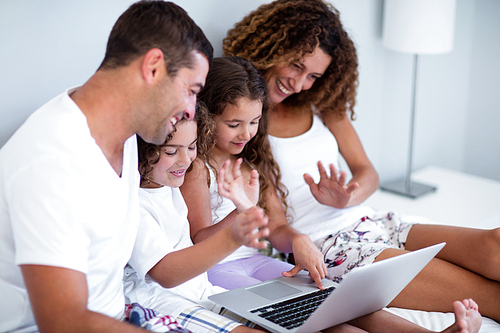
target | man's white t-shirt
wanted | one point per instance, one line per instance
(62, 204)
(164, 228)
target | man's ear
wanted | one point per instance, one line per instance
(153, 66)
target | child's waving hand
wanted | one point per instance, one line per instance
(232, 185)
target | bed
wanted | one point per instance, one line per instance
(438, 321)
(451, 204)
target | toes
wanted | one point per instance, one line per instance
(470, 304)
(459, 308)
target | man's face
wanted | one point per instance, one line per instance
(175, 99)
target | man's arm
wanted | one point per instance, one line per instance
(58, 298)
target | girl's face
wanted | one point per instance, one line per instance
(176, 156)
(237, 125)
(284, 81)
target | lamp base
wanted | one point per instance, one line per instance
(415, 190)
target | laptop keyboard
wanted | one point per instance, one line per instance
(293, 312)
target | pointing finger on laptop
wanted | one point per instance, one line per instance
(308, 257)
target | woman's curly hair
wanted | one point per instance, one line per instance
(228, 80)
(282, 32)
(149, 154)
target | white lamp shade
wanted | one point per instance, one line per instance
(419, 26)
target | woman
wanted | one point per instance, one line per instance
(310, 65)
(239, 172)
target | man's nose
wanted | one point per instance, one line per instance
(190, 109)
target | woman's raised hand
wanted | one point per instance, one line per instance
(331, 190)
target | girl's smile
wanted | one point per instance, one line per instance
(176, 156)
(178, 173)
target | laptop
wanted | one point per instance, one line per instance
(296, 304)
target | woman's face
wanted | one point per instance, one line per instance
(284, 81)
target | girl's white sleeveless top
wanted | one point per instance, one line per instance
(221, 207)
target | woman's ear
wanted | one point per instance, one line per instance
(153, 66)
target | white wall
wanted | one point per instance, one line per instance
(47, 46)
(482, 140)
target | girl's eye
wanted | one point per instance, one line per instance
(232, 126)
(193, 147)
(255, 122)
(170, 153)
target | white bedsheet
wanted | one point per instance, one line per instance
(438, 321)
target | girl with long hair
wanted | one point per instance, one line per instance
(236, 97)
(164, 213)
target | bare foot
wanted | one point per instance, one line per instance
(467, 317)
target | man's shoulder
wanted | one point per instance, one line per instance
(58, 117)
(53, 142)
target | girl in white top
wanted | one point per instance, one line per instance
(164, 214)
(236, 97)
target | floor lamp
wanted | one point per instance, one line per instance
(417, 27)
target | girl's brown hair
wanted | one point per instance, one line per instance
(282, 32)
(229, 79)
(149, 154)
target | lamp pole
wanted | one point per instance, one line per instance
(416, 27)
(406, 186)
(409, 167)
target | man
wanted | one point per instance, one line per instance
(69, 180)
